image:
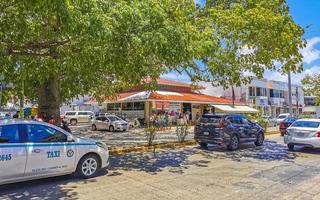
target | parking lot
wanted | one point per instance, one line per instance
(133, 137)
(268, 172)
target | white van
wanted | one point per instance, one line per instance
(74, 117)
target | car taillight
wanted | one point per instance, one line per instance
(317, 134)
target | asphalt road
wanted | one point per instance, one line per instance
(268, 172)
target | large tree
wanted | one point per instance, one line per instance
(54, 50)
(311, 86)
(252, 36)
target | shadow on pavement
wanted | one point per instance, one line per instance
(152, 163)
(270, 151)
(48, 188)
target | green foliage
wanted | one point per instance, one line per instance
(101, 47)
(93, 47)
(151, 134)
(182, 132)
(257, 118)
(311, 86)
(251, 36)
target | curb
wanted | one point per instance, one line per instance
(272, 132)
(119, 151)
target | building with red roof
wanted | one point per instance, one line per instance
(169, 96)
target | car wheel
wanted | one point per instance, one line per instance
(88, 166)
(111, 128)
(73, 122)
(260, 139)
(234, 143)
(291, 147)
(203, 145)
(94, 128)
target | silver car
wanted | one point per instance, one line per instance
(305, 132)
(110, 122)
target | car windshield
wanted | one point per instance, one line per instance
(282, 116)
(113, 118)
(290, 119)
(210, 119)
(307, 124)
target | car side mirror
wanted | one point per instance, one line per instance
(4, 140)
(70, 138)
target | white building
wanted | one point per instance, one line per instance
(270, 97)
(310, 107)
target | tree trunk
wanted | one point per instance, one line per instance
(233, 96)
(49, 100)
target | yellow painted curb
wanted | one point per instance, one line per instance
(272, 132)
(117, 151)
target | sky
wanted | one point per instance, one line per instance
(306, 13)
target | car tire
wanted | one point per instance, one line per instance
(260, 139)
(234, 143)
(93, 127)
(203, 145)
(88, 166)
(290, 147)
(73, 122)
(111, 128)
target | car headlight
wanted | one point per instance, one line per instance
(102, 145)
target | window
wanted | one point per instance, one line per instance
(127, 106)
(9, 134)
(210, 119)
(252, 92)
(113, 106)
(40, 133)
(84, 113)
(112, 118)
(244, 120)
(261, 92)
(308, 124)
(138, 105)
(235, 120)
(70, 113)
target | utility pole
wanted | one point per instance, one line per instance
(290, 93)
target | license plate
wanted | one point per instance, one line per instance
(300, 134)
(205, 133)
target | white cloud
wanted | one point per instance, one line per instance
(295, 78)
(310, 52)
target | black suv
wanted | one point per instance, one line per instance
(228, 129)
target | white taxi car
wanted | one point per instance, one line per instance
(33, 150)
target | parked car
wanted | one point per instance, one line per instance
(272, 121)
(304, 132)
(111, 123)
(281, 117)
(229, 130)
(74, 117)
(285, 124)
(34, 150)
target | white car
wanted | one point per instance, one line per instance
(304, 132)
(281, 117)
(110, 122)
(74, 117)
(34, 150)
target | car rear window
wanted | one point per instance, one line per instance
(307, 124)
(210, 119)
(282, 116)
(71, 113)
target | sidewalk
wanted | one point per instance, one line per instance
(131, 138)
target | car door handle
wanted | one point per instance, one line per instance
(36, 150)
